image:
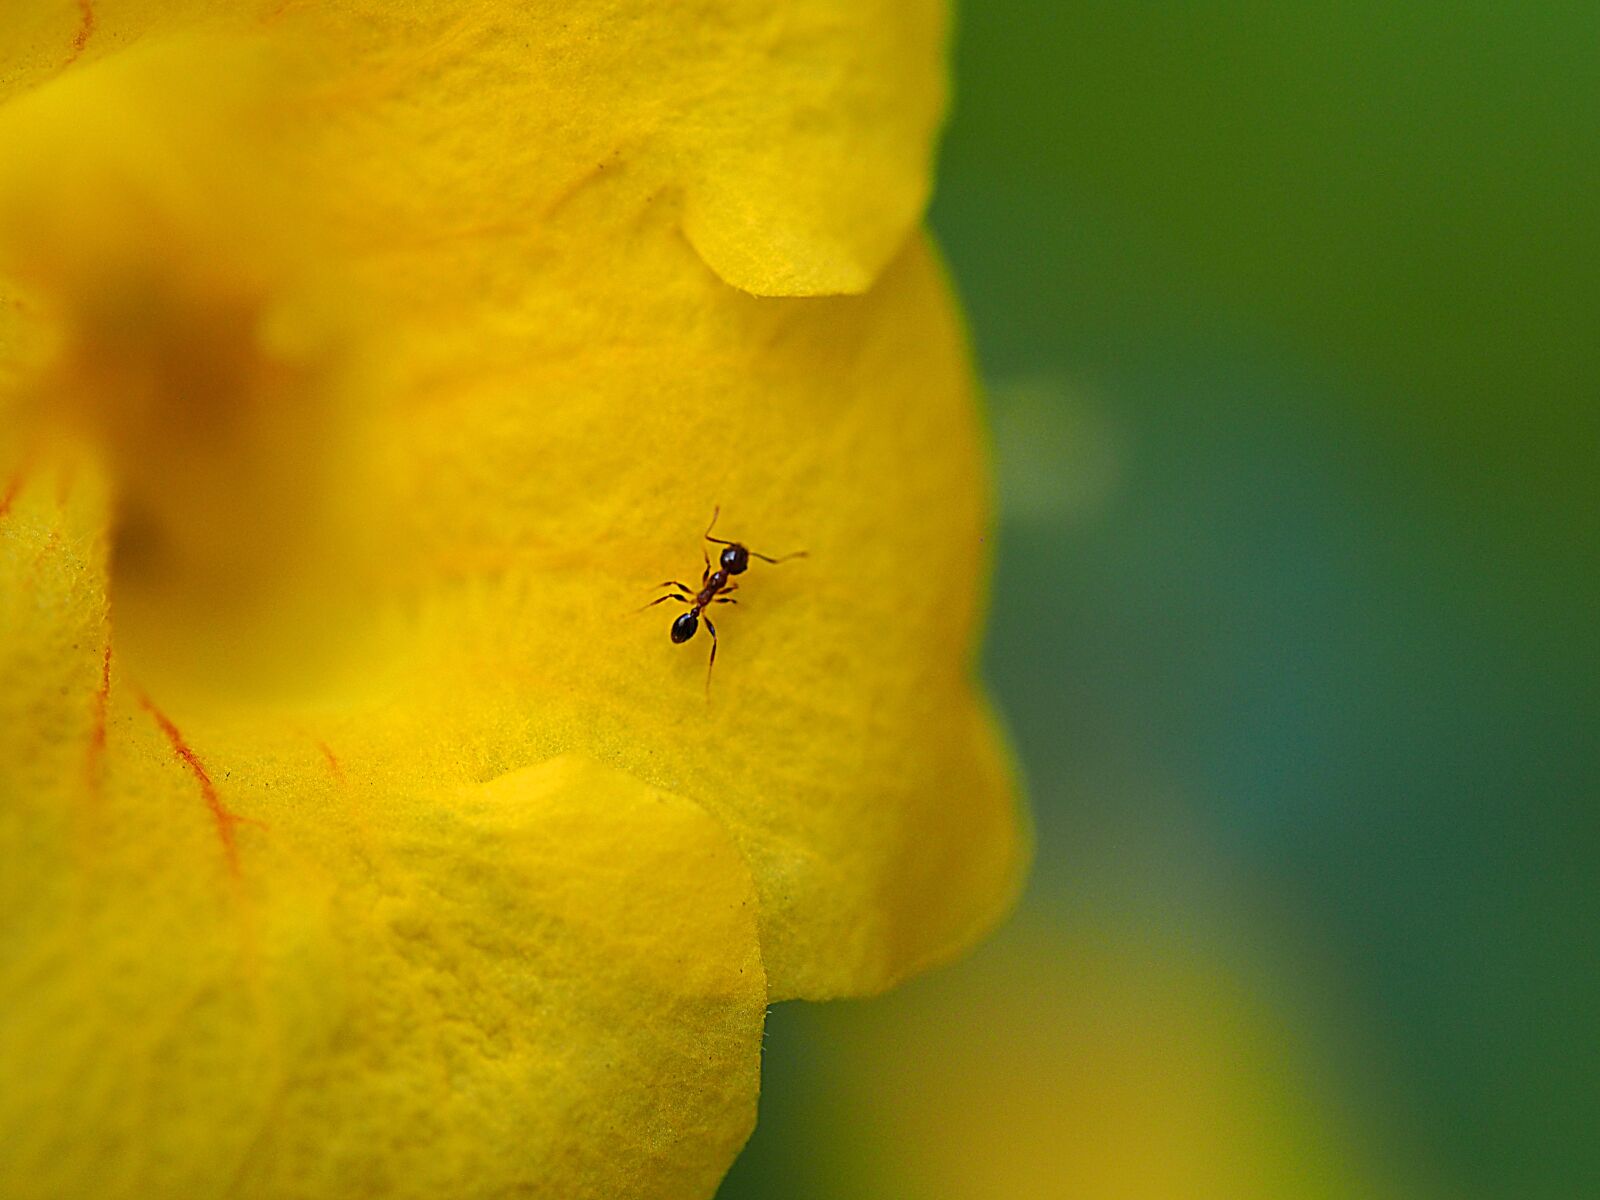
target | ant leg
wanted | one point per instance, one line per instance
(676, 584)
(663, 600)
(724, 600)
(713, 661)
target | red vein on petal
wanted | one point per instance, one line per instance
(94, 766)
(333, 761)
(13, 486)
(85, 28)
(355, 803)
(225, 820)
(20, 475)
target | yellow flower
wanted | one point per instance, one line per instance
(362, 367)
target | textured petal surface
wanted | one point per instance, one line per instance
(842, 742)
(253, 967)
(799, 136)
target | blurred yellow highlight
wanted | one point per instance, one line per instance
(206, 356)
(1085, 1063)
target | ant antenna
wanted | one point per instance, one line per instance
(785, 558)
(716, 512)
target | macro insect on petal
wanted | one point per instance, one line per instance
(715, 588)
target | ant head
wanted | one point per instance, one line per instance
(734, 559)
(684, 627)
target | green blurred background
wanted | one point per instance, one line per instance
(1288, 316)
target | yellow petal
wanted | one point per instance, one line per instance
(234, 962)
(800, 135)
(564, 457)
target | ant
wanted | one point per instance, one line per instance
(733, 560)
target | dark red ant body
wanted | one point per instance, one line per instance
(714, 588)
